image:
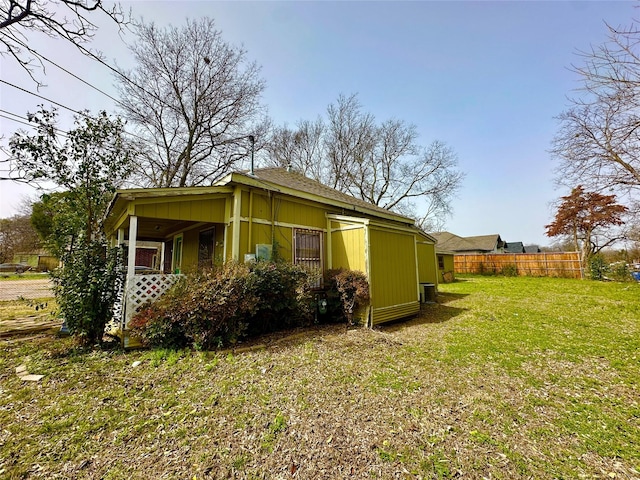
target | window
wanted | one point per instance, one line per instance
(441, 262)
(308, 251)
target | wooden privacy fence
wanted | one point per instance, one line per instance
(546, 264)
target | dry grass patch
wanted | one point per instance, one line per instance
(499, 380)
(39, 308)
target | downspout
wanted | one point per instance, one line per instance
(415, 253)
(329, 254)
(437, 272)
(367, 260)
(273, 219)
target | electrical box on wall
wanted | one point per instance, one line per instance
(263, 251)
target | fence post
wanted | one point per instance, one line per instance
(546, 264)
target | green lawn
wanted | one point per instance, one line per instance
(4, 276)
(504, 378)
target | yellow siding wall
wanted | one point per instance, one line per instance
(260, 233)
(229, 241)
(261, 206)
(448, 265)
(283, 238)
(244, 235)
(299, 213)
(427, 266)
(190, 250)
(393, 276)
(348, 248)
(211, 210)
(288, 213)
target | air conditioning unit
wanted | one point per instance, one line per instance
(427, 293)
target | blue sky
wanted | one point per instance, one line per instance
(487, 78)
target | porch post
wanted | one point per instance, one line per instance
(131, 270)
(131, 257)
(237, 210)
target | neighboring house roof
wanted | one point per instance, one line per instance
(532, 249)
(513, 247)
(448, 241)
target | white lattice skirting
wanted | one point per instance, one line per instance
(144, 289)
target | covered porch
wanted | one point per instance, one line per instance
(161, 239)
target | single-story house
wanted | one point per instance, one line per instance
(450, 242)
(248, 215)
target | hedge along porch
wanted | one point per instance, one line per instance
(245, 215)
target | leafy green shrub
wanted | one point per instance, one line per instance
(214, 307)
(597, 267)
(510, 271)
(619, 271)
(486, 269)
(349, 289)
(284, 298)
(85, 289)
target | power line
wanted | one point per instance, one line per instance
(25, 121)
(14, 119)
(41, 56)
(81, 80)
(83, 114)
(126, 79)
(44, 98)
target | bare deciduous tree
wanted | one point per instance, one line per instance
(67, 19)
(17, 235)
(301, 148)
(381, 163)
(598, 143)
(194, 99)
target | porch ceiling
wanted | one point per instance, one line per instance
(159, 230)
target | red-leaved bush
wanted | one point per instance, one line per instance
(350, 289)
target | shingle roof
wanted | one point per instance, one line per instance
(297, 181)
(486, 242)
(447, 241)
(481, 243)
(514, 247)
